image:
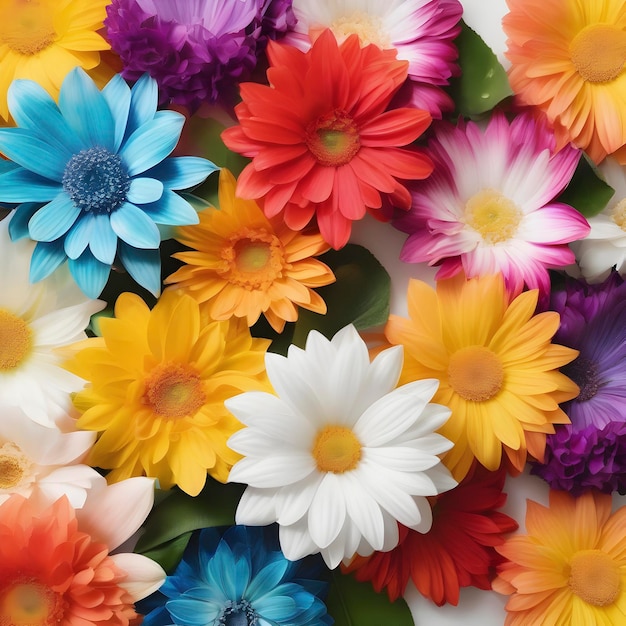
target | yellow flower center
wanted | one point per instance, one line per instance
(174, 390)
(369, 28)
(26, 26)
(15, 466)
(15, 340)
(337, 450)
(493, 215)
(475, 373)
(254, 259)
(333, 138)
(29, 603)
(595, 577)
(598, 52)
(619, 214)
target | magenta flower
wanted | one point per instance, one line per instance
(422, 32)
(197, 50)
(489, 205)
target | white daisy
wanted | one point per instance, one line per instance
(42, 463)
(339, 456)
(35, 320)
(605, 245)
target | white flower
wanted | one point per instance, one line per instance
(605, 245)
(340, 456)
(43, 463)
(35, 320)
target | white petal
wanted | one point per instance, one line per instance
(293, 501)
(363, 510)
(256, 507)
(270, 472)
(426, 515)
(72, 481)
(401, 459)
(327, 512)
(145, 576)
(295, 540)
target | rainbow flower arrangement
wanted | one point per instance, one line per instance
(218, 406)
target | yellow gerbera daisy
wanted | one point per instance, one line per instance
(571, 566)
(245, 264)
(157, 381)
(567, 57)
(42, 40)
(496, 365)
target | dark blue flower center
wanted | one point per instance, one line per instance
(96, 180)
(585, 374)
(238, 614)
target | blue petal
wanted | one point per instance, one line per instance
(134, 227)
(171, 209)
(266, 579)
(90, 274)
(117, 94)
(143, 265)
(144, 190)
(86, 110)
(18, 226)
(103, 242)
(28, 150)
(53, 219)
(152, 142)
(20, 185)
(193, 612)
(143, 103)
(32, 108)
(78, 238)
(46, 258)
(182, 172)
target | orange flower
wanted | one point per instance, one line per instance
(568, 59)
(320, 138)
(244, 264)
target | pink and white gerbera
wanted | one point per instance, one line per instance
(422, 32)
(489, 205)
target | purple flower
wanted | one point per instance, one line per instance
(198, 51)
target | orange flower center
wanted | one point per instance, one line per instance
(29, 603)
(493, 215)
(174, 391)
(595, 577)
(475, 373)
(369, 28)
(619, 214)
(15, 466)
(598, 52)
(333, 138)
(15, 340)
(254, 259)
(337, 450)
(26, 26)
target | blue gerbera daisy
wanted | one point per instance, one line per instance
(239, 578)
(92, 179)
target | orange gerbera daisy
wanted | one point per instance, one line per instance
(570, 567)
(568, 59)
(321, 140)
(244, 264)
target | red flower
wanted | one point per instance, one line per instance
(457, 552)
(321, 140)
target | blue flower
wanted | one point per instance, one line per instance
(92, 179)
(239, 578)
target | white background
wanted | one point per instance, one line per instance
(476, 607)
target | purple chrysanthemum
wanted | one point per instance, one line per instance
(197, 50)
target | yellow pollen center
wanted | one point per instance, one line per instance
(26, 26)
(595, 577)
(598, 52)
(29, 603)
(253, 259)
(493, 215)
(15, 466)
(337, 450)
(619, 214)
(475, 373)
(369, 28)
(333, 139)
(174, 391)
(15, 340)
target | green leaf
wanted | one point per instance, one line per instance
(352, 603)
(168, 555)
(587, 192)
(180, 513)
(360, 296)
(483, 82)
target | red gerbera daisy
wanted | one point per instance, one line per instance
(458, 551)
(321, 140)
